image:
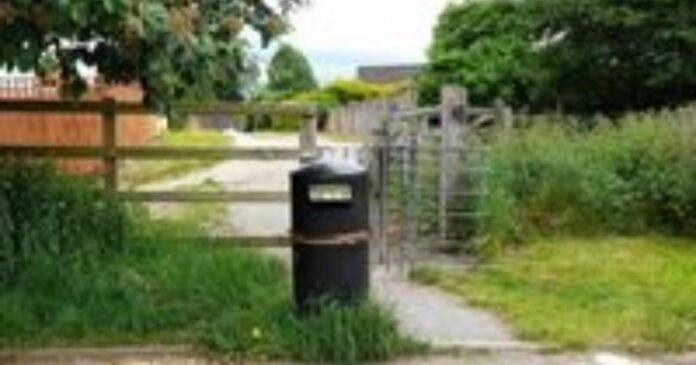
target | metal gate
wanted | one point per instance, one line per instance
(429, 177)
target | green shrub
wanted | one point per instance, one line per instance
(633, 176)
(45, 216)
(342, 92)
(286, 123)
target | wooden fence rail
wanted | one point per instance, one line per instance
(111, 153)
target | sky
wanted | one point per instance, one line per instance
(339, 35)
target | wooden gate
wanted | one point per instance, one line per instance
(111, 152)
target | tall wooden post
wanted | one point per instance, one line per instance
(382, 142)
(452, 119)
(413, 194)
(308, 138)
(109, 140)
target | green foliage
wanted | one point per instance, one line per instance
(486, 46)
(339, 92)
(47, 217)
(176, 49)
(632, 293)
(171, 290)
(584, 56)
(342, 92)
(78, 286)
(289, 73)
(632, 176)
(157, 292)
(616, 55)
(286, 123)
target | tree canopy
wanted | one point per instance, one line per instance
(289, 72)
(176, 49)
(583, 56)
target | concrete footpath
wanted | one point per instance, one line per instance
(439, 319)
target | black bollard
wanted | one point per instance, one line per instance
(330, 229)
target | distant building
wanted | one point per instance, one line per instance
(389, 73)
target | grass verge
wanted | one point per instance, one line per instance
(634, 293)
(234, 301)
(143, 172)
(165, 284)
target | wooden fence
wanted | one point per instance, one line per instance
(111, 152)
(42, 127)
(363, 118)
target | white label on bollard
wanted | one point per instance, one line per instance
(330, 193)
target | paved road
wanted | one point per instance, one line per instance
(253, 219)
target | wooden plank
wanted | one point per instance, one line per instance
(419, 112)
(52, 152)
(206, 153)
(79, 106)
(301, 109)
(68, 106)
(205, 196)
(234, 241)
(261, 242)
(153, 153)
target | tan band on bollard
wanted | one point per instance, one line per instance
(339, 239)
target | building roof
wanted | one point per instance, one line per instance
(389, 73)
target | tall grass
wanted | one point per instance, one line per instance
(45, 216)
(77, 273)
(631, 176)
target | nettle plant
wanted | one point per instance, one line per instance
(176, 49)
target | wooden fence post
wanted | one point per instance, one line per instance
(453, 104)
(383, 151)
(504, 114)
(109, 141)
(308, 138)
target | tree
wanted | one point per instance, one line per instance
(177, 49)
(486, 46)
(585, 56)
(290, 73)
(615, 55)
